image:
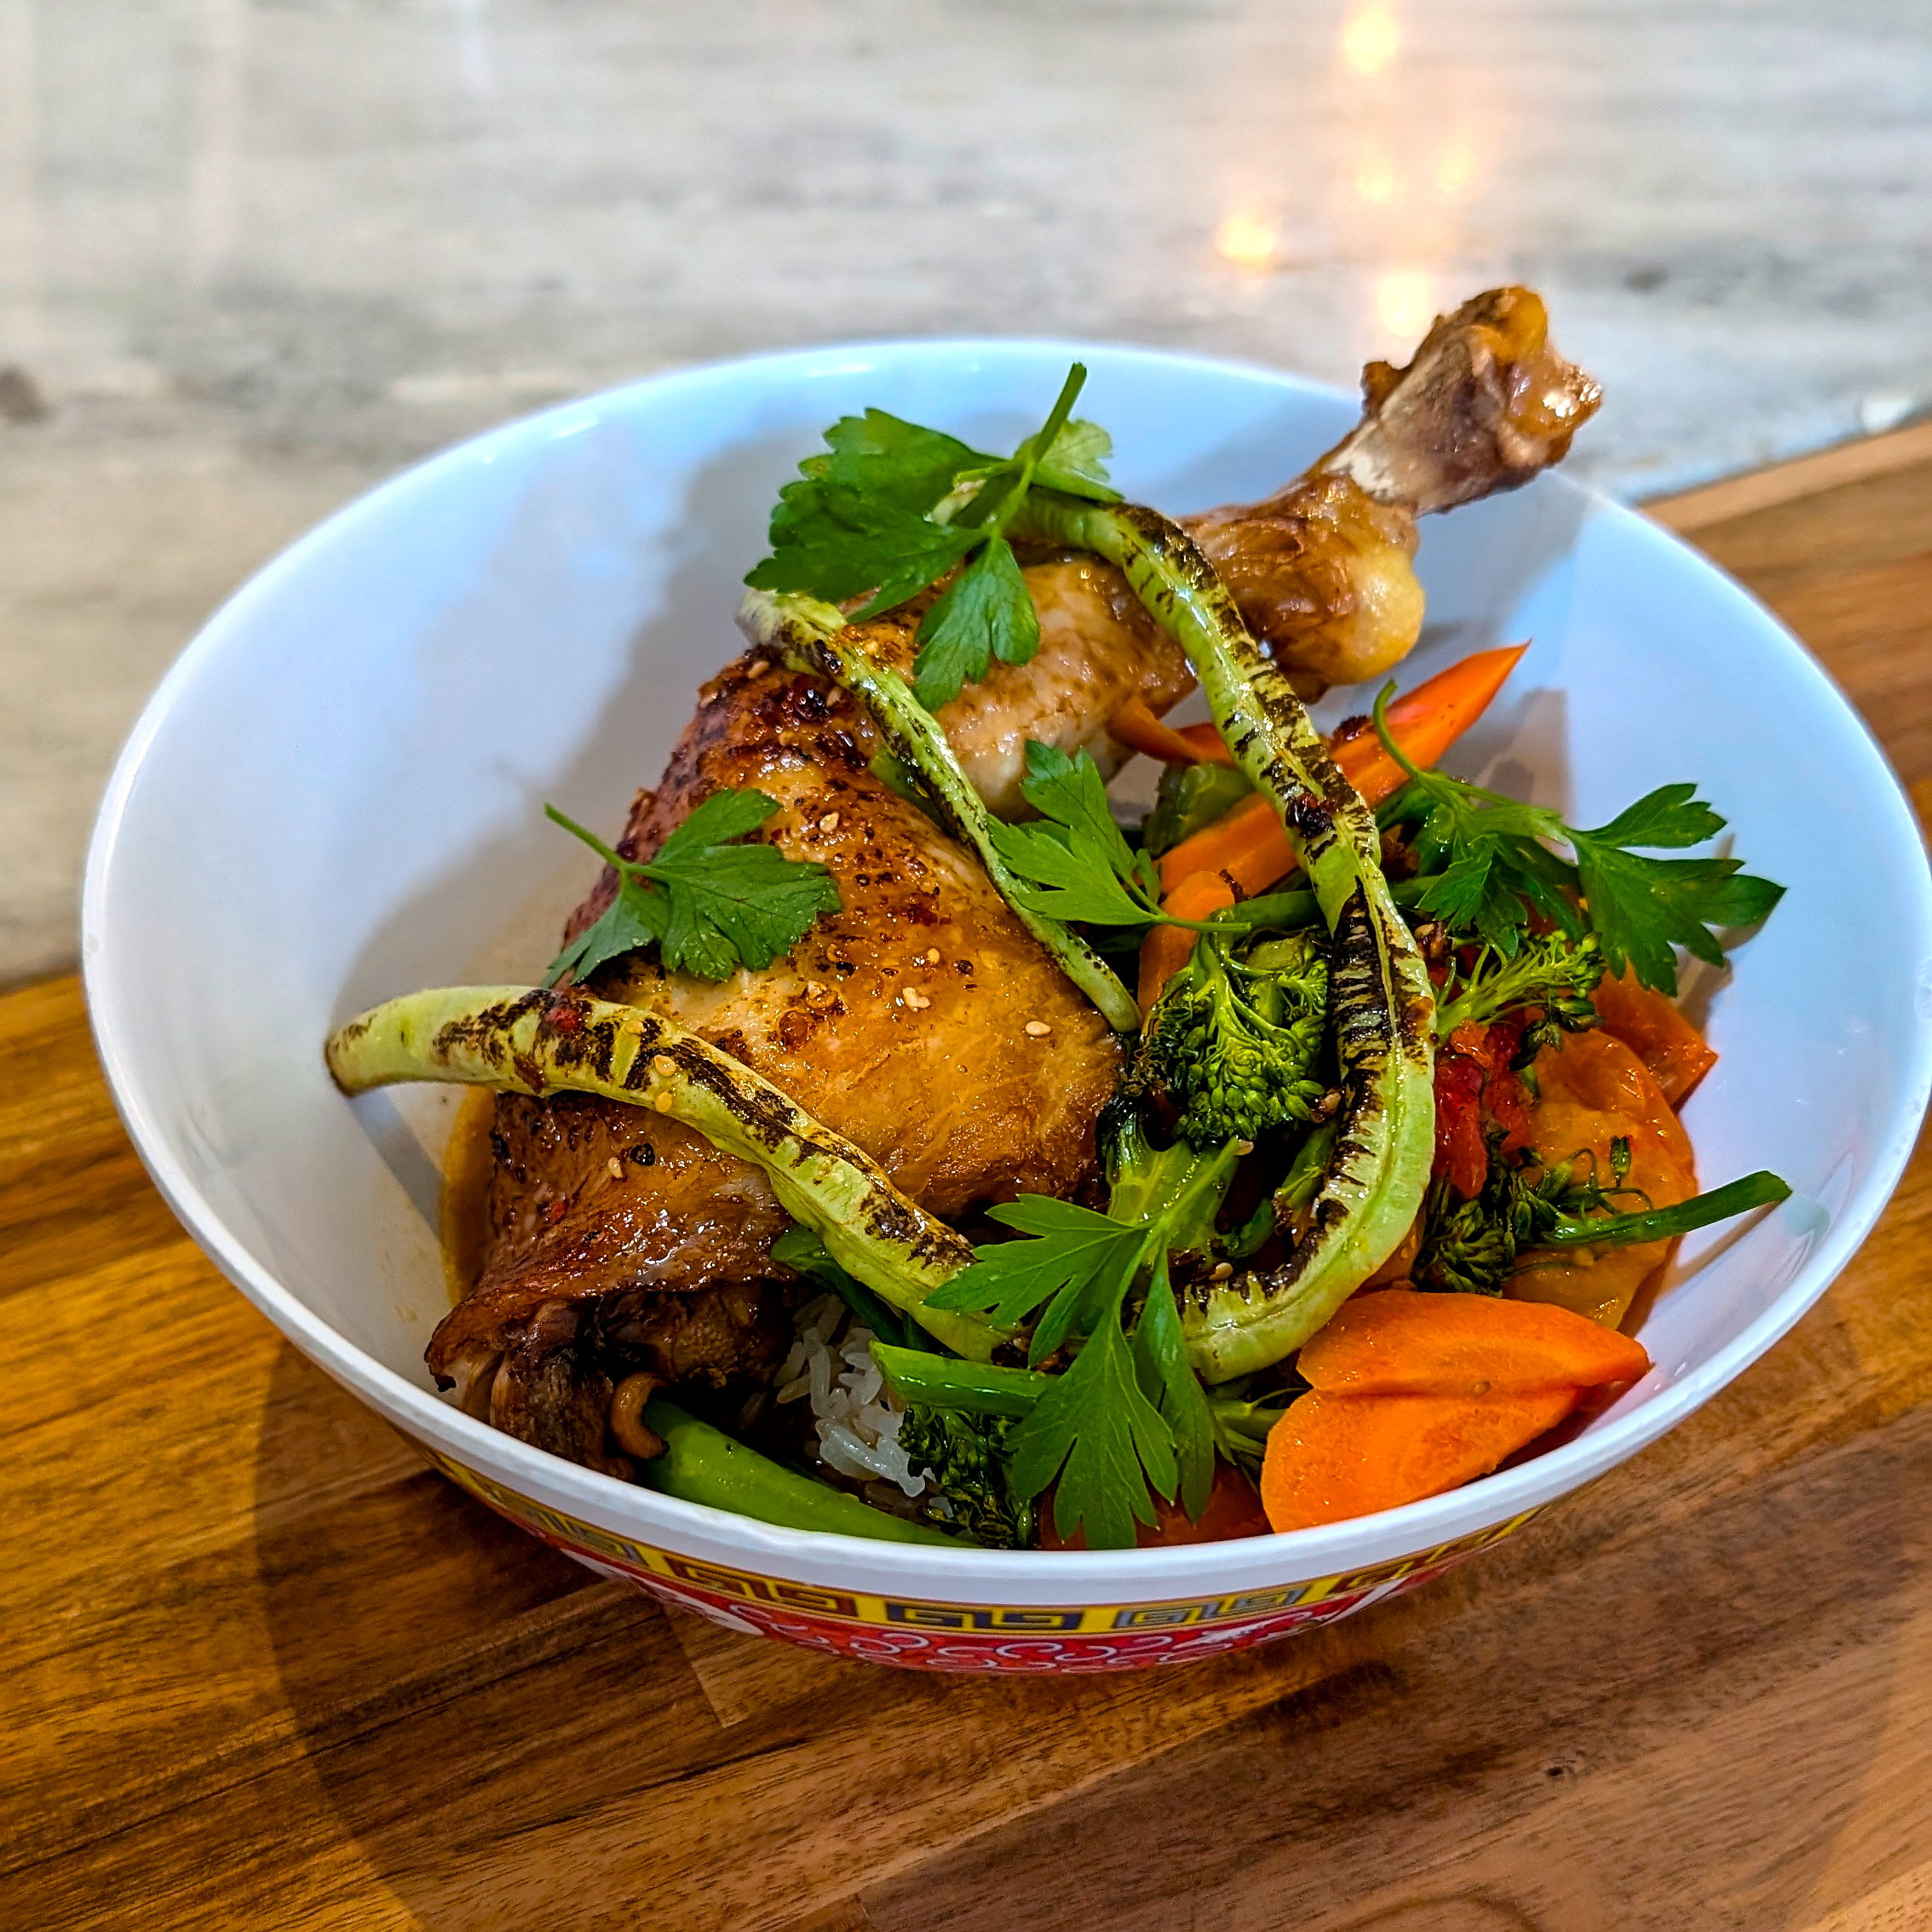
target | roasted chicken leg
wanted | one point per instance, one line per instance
(1321, 570)
(922, 1020)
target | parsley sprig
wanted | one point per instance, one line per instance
(1129, 1412)
(1075, 862)
(1490, 869)
(709, 903)
(894, 507)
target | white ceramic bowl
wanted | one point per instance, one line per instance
(336, 796)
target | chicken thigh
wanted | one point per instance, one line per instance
(920, 1020)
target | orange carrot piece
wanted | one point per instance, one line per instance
(1207, 743)
(1137, 727)
(1426, 721)
(1399, 1341)
(1165, 951)
(1249, 843)
(1649, 1024)
(1333, 1456)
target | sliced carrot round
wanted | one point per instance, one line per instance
(1402, 1341)
(1334, 1457)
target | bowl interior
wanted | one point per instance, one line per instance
(337, 796)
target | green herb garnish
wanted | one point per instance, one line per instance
(1129, 1412)
(1491, 870)
(894, 507)
(1074, 863)
(707, 903)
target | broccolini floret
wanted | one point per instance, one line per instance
(1234, 1036)
(1473, 1246)
(965, 1458)
(1555, 973)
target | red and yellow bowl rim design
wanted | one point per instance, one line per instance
(931, 1634)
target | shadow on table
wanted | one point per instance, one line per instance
(457, 1687)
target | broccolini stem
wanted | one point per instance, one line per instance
(1286, 910)
(1762, 1189)
(703, 1464)
(813, 637)
(1302, 1182)
(531, 1040)
(939, 1382)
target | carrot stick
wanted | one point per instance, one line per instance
(1165, 951)
(1397, 1342)
(1248, 844)
(1333, 1456)
(1137, 727)
(1426, 721)
(1206, 742)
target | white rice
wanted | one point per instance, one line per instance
(856, 1416)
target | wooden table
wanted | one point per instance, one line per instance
(261, 1668)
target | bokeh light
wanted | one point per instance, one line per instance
(1370, 39)
(1247, 240)
(1378, 180)
(1455, 167)
(1405, 302)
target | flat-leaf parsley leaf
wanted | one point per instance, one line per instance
(1489, 869)
(894, 507)
(1073, 862)
(708, 904)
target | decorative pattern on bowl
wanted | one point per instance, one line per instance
(921, 1635)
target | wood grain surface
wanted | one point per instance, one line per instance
(263, 1669)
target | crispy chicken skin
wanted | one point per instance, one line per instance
(563, 1229)
(900, 1020)
(618, 1238)
(1321, 572)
